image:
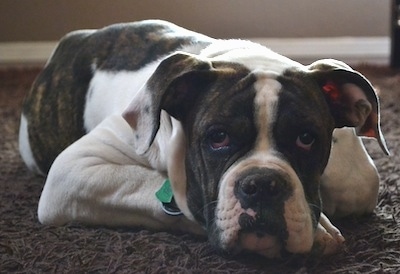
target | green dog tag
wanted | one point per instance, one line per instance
(165, 194)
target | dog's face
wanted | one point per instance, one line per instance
(254, 159)
(252, 144)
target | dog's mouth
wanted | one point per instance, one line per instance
(258, 235)
(250, 233)
(266, 239)
(260, 243)
(257, 242)
(268, 232)
(254, 224)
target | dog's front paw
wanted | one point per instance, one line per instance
(328, 239)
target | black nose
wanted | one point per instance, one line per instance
(261, 186)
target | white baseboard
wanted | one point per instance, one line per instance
(305, 50)
(26, 52)
(351, 50)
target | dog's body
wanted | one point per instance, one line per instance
(243, 134)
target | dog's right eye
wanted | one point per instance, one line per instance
(219, 140)
(305, 141)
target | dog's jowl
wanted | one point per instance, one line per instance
(259, 150)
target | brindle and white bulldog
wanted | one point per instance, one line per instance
(242, 133)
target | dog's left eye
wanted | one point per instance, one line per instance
(219, 140)
(305, 140)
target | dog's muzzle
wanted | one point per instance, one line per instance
(263, 209)
(262, 191)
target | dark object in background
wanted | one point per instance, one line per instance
(395, 35)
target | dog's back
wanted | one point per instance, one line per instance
(53, 111)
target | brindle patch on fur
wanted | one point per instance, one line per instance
(54, 105)
(131, 46)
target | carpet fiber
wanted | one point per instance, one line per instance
(372, 242)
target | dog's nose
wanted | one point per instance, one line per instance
(261, 186)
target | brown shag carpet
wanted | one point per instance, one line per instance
(373, 242)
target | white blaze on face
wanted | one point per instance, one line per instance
(265, 104)
(297, 214)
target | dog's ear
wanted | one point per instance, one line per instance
(351, 98)
(174, 87)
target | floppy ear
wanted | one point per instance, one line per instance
(351, 98)
(174, 87)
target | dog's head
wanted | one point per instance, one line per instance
(251, 139)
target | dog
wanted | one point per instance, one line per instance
(149, 124)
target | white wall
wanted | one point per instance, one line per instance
(43, 20)
(350, 30)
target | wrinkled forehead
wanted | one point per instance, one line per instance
(253, 80)
(265, 67)
(240, 98)
(263, 88)
(256, 81)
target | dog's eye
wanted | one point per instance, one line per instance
(219, 140)
(305, 140)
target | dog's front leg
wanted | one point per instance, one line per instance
(350, 182)
(328, 239)
(100, 180)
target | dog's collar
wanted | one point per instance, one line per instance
(167, 201)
